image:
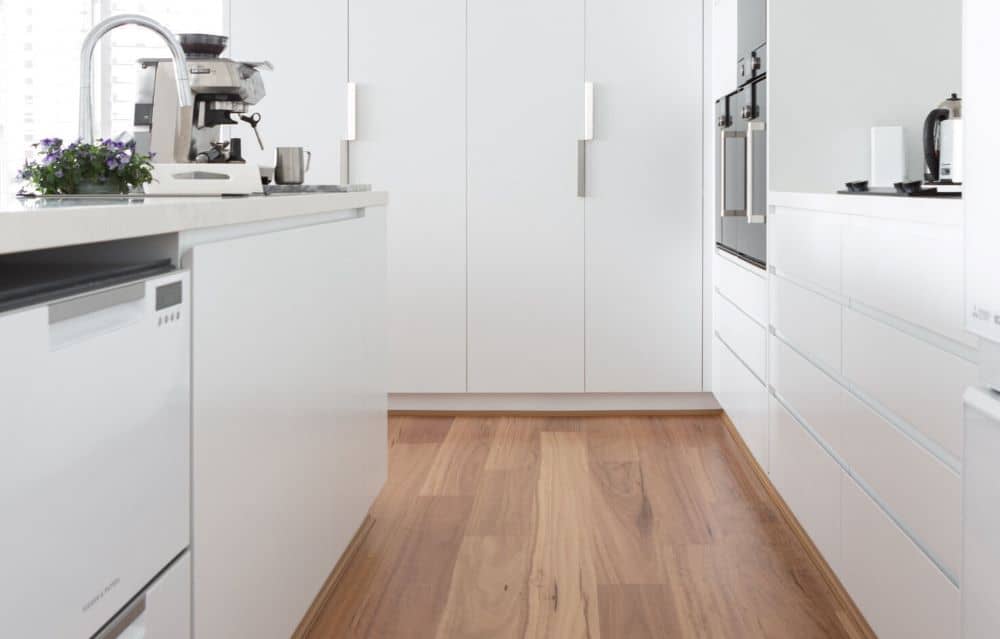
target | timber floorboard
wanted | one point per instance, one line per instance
(566, 527)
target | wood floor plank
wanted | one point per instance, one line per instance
(489, 589)
(562, 599)
(515, 444)
(460, 459)
(622, 524)
(638, 611)
(410, 592)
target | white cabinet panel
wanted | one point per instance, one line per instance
(288, 419)
(901, 593)
(744, 398)
(643, 206)
(919, 382)
(305, 104)
(724, 47)
(808, 320)
(744, 336)
(745, 285)
(525, 221)
(809, 392)
(805, 245)
(924, 494)
(411, 142)
(919, 280)
(808, 479)
(982, 137)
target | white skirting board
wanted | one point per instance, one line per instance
(554, 403)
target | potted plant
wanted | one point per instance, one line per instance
(108, 166)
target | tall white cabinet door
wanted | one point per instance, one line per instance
(305, 105)
(643, 206)
(526, 224)
(411, 142)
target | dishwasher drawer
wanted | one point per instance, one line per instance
(94, 453)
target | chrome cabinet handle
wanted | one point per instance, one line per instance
(752, 216)
(588, 135)
(723, 211)
(350, 133)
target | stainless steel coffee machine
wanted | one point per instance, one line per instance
(199, 157)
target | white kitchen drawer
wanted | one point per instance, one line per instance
(805, 245)
(899, 590)
(911, 271)
(808, 479)
(920, 383)
(744, 398)
(810, 392)
(745, 285)
(808, 320)
(745, 337)
(923, 493)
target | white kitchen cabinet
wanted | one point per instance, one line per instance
(809, 321)
(643, 201)
(288, 419)
(900, 591)
(917, 381)
(808, 479)
(746, 338)
(744, 398)
(922, 493)
(920, 280)
(525, 221)
(411, 142)
(725, 25)
(810, 392)
(806, 246)
(743, 285)
(304, 106)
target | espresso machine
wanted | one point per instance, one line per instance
(192, 148)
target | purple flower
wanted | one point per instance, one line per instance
(112, 163)
(51, 157)
(59, 173)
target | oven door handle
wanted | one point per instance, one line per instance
(725, 135)
(753, 217)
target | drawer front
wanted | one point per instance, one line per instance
(805, 245)
(808, 479)
(918, 382)
(901, 593)
(808, 391)
(745, 285)
(747, 338)
(919, 280)
(924, 494)
(744, 398)
(810, 321)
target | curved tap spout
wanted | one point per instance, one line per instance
(87, 60)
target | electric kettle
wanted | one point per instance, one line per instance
(943, 143)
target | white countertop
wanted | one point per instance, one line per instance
(944, 211)
(31, 224)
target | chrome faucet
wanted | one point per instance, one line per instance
(184, 114)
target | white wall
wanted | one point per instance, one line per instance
(838, 68)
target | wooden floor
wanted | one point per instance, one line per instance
(576, 527)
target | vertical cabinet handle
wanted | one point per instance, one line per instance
(724, 136)
(350, 133)
(588, 135)
(753, 217)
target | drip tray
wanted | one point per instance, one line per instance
(288, 189)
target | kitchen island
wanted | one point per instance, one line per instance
(288, 403)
